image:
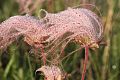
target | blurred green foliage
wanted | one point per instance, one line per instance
(17, 62)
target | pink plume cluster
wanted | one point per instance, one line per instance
(80, 22)
(16, 26)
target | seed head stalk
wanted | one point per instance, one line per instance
(85, 62)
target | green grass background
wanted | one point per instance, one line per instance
(18, 63)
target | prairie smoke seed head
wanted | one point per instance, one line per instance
(83, 23)
(12, 28)
(51, 72)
